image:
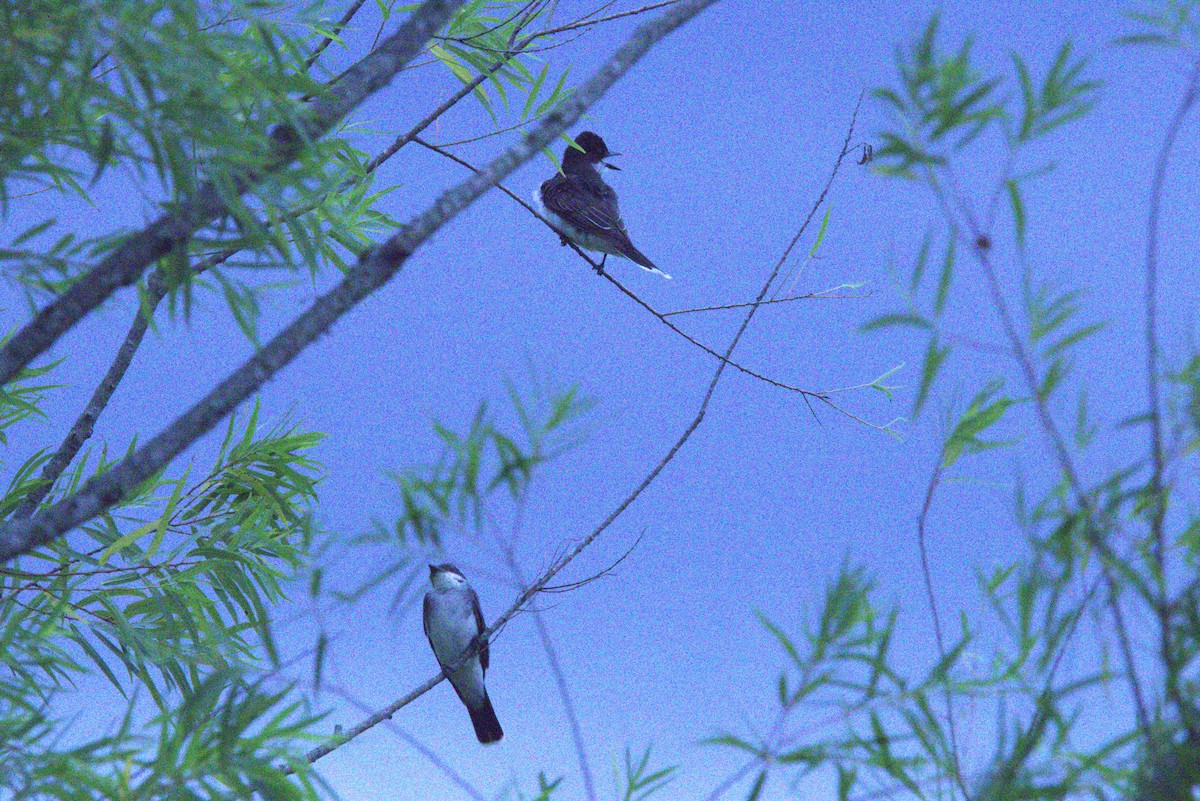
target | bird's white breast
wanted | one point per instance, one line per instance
(452, 628)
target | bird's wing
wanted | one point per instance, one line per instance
(479, 627)
(425, 613)
(592, 209)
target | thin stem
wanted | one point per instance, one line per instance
(417, 745)
(560, 681)
(81, 430)
(927, 574)
(559, 564)
(338, 28)
(1057, 443)
(822, 295)
(1157, 490)
(629, 293)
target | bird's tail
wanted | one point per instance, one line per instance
(483, 718)
(637, 257)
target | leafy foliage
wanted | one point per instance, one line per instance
(1100, 551)
(173, 604)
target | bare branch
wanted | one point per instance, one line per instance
(560, 678)
(804, 393)
(124, 265)
(526, 595)
(934, 480)
(822, 295)
(628, 292)
(419, 746)
(81, 430)
(1057, 443)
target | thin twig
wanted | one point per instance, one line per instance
(1158, 512)
(822, 295)
(559, 564)
(556, 670)
(937, 623)
(81, 430)
(1057, 443)
(337, 29)
(632, 295)
(417, 745)
(804, 393)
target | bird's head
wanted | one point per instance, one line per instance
(593, 151)
(446, 577)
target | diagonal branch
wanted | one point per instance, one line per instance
(124, 265)
(375, 268)
(806, 394)
(1057, 443)
(526, 595)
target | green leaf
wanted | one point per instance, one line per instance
(1018, 210)
(984, 411)
(943, 287)
(534, 90)
(922, 259)
(934, 357)
(909, 320)
(821, 232)
(757, 788)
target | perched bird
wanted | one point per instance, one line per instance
(584, 208)
(453, 621)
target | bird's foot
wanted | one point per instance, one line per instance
(599, 268)
(562, 240)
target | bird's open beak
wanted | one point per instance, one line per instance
(433, 571)
(611, 166)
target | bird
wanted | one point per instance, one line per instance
(453, 620)
(584, 208)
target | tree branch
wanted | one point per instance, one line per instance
(526, 595)
(1057, 443)
(124, 265)
(806, 394)
(934, 480)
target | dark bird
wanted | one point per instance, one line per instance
(453, 620)
(582, 206)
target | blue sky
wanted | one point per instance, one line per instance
(729, 129)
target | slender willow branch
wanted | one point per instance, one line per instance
(1158, 512)
(526, 595)
(173, 229)
(560, 678)
(930, 596)
(1057, 443)
(81, 430)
